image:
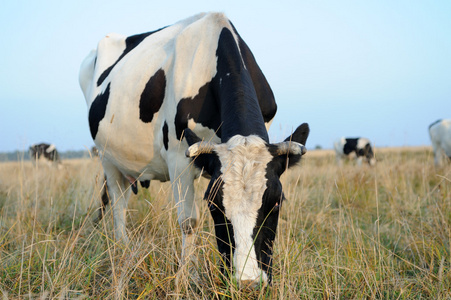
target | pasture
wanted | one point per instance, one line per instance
(381, 232)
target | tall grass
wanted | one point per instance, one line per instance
(344, 233)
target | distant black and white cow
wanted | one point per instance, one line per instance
(44, 152)
(94, 151)
(189, 92)
(440, 133)
(360, 148)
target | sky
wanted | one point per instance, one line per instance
(378, 69)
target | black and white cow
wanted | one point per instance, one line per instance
(45, 152)
(440, 133)
(189, 92)
(360, 148)
(94, 151)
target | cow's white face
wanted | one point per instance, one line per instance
(245, 195)
(243, 167)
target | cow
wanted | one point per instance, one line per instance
(360, 148)
(190, 97)
(440, 134)
(45, 152)
(94, 152)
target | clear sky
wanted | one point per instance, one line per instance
(380, 69)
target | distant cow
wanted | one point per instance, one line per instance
(95, 151)
(360, 148)
(192, 92)
(440, 133)
(44, 152)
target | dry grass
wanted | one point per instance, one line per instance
(345, 233)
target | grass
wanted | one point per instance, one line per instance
(344, 233)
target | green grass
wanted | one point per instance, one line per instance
(344, 233)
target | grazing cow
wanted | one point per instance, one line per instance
(44, 152)
(95, 151)
(440, 133)
(360, 148)
(189, 92)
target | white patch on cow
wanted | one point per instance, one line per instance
(50, 148)
(362, 142)
(208, 134)
(196, 46)
(338, 147)
(244, 161)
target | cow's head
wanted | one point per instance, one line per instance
(245, 196)
(368, 153)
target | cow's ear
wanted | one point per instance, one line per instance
(293, 149)
(281, 162)
(300, 135)
(209, 162)
(191, 137)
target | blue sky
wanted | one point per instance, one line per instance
(380, 69)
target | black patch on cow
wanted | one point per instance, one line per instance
(214, 196)
(240, 110)
(350, 146)
(145, 184)
(223, 231)
(152, 96)
(97, 111)
(165, 135)
(203, 109)
(267, 219)
(134, 187)
(130, 43)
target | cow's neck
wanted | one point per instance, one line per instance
(240, 111)
(242, 115)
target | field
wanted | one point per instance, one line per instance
(347, 232)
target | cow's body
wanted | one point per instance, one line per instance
(144, 91)
(440, 133)
(359, 148)
(46, 152)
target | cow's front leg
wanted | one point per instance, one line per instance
(182, 178)
(359, 160)
(119, 192)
